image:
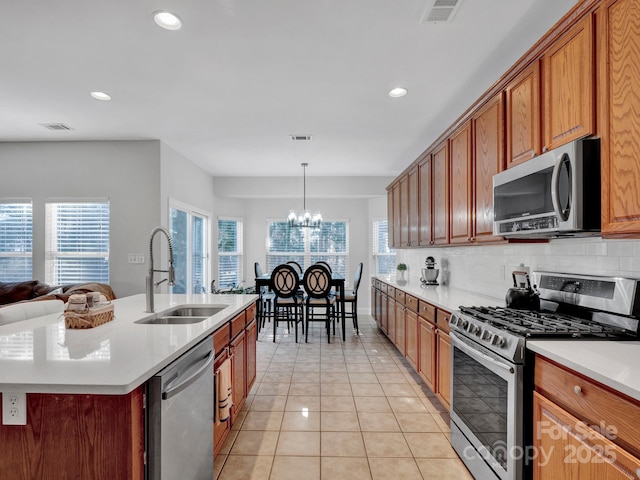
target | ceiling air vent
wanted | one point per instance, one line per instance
(301, 138)
(441, 11)
(55, 126)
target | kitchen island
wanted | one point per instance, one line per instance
(85, 388)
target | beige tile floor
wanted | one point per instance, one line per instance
(351, 410)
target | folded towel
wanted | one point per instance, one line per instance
(223, 392)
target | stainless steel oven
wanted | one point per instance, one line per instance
(486, 410)
(492, 374)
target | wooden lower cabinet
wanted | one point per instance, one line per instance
(411, 338)
(238, 362)
(570, 450)
(443, 378)
(251, 336)
(71, 436)
(391, 319)
(427, 352)
(400, 327)
(222, 429)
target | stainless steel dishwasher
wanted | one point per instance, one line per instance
(180, 417)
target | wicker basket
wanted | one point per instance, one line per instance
(92, 317)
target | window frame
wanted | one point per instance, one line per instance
(375, 253)
(307, 254)
(239, 253)
(52, 252)
(26, 253)
(192, 212)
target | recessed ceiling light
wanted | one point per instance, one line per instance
(101, 96)
(167, 20)
(398, 92)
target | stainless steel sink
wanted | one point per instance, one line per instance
(183, 315)
(171, 320)
(194, 311)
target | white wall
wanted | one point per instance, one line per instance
(358, 199)
(138, 178)
(480, 269)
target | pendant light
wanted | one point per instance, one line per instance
(305, 219)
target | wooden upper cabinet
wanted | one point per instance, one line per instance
(390, 219)
(440, 194)
(413, 210)
(397, 216)
(523, 116)
(424, 173)
(569, 86)
(460, 185)
(403, 187)
(619, 116)
(488, 153)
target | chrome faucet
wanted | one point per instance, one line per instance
(171, 274)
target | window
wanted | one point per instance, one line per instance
(384, 258)
(230, 246)
(189, 234)
(329, 243)
(77, 242)
(16, 227)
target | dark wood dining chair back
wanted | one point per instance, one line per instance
(351, 299)
(285, 281)
(287, 304)
(317, 285)
(258, 269)
(325, 264)
(295, 265)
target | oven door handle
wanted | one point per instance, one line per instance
(478, 355)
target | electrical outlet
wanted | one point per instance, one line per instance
(14, 408)
(136, 258)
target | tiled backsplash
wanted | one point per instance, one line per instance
(487, 269)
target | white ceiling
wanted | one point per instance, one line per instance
(228, 89)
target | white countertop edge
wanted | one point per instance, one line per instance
(612, 363)
(126, 316)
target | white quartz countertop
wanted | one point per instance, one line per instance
(442, 296)
(612, 363)
(41, 356)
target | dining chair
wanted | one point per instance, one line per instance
(317, 285)
(351, 298)
(325, 264)
(287, 303)
(295, 265)
(265, 300)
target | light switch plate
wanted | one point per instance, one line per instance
(136, 258)
(14, 408)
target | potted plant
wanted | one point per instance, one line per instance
(402, 271)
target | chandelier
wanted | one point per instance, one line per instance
(304, 219)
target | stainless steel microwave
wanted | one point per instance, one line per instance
(555, 194)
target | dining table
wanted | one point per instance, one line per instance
(336, 281)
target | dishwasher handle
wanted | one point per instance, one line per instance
(174, 390)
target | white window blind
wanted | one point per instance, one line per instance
(384, 258)
(16, 233)
(306, 246)
(230, 252)
(77, 242)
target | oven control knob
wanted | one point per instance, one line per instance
(472, 328)
(487, 336)
(497, 340)
(462, 323)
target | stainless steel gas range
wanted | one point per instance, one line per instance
(492, 373)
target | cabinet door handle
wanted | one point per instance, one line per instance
(577, 390)
(533, 154)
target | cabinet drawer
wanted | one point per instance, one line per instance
(427, 311)
(391, 291)
(442, 320)
(237, 324)
(411, 303)
(383, 287)
(251, 313)
(400, 296)
(221, 338)
(591, 402)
